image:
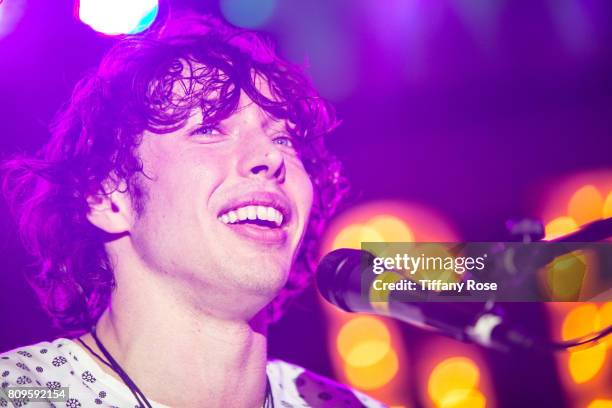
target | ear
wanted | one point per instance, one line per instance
(111, 212)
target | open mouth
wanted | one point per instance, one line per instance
(263, 216)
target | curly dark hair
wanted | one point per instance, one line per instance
(94, 140)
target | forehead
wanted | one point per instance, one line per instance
(249, 113)
(212, 85)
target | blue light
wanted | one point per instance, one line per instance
(248, 13)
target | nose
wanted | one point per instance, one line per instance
(262, 158)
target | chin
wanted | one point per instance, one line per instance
(268, 281)
(262, 275)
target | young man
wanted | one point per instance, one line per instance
(184, 181)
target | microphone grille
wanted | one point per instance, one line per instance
(335, 272)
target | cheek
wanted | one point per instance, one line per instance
(304, 192)
(189, 175)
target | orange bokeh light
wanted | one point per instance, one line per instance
(584, 364)
(464, 399)
(386, 221)
(586, 205)
(580, 196)
(363, 341)
(375, 375)
(353, 235)
(600, 403)
(607, 207)
(391, 228)
(559, 227)
(454, 383)
(605, 318)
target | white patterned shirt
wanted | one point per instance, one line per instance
(63, 363)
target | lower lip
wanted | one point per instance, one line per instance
(270, 236)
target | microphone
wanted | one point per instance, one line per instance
(341, 274)
(530, 257)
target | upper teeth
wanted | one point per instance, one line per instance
(253, 212)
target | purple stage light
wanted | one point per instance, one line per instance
(114, 17)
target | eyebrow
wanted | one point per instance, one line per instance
(269, 121)
(266, 122)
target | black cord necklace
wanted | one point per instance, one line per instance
(143, 402)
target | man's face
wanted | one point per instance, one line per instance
(225, 208)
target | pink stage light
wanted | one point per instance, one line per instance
(114, 17)
(10, 14)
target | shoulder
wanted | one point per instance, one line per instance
(28, 365)
(51, 365)
(294, 384)
(63, 364)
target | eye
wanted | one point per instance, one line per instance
(206, 130)
(284, 141)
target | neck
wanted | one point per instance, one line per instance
(179, 356)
